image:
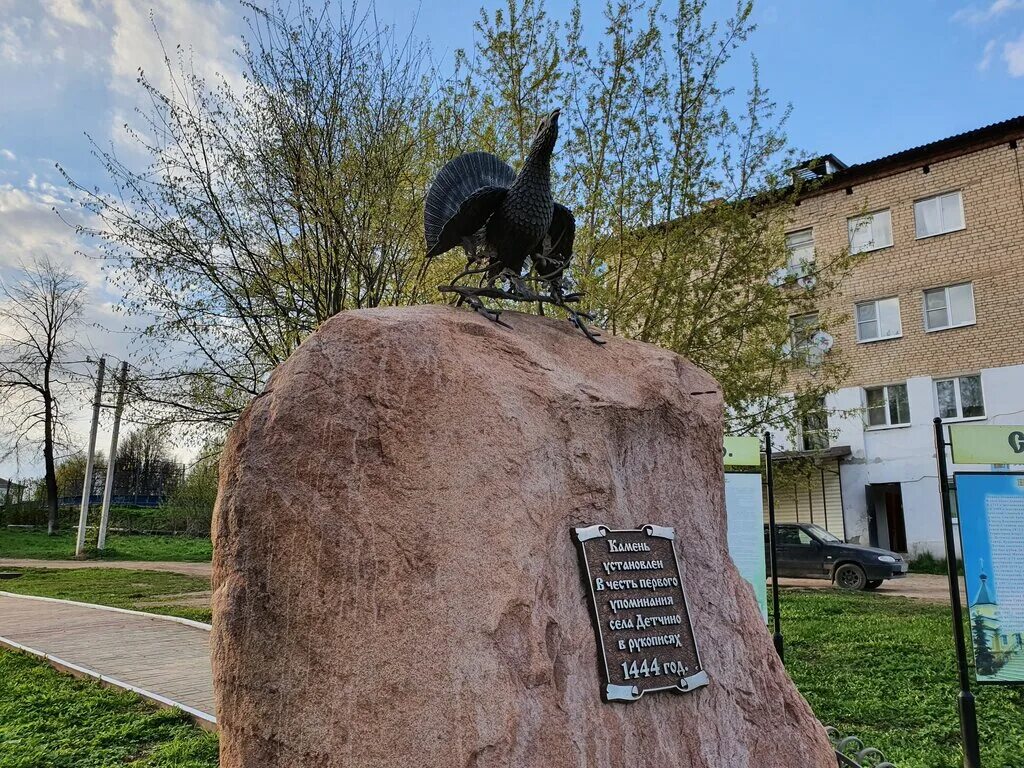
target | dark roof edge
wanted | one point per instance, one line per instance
(944, 149)
(834, 452)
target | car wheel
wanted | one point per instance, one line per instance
(851, 576)
(873, 584)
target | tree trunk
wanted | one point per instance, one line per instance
(51, 466)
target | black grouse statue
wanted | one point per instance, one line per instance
(502, 219)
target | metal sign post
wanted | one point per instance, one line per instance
(965, 700)
(777, 636)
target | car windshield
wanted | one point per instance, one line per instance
(824, 535)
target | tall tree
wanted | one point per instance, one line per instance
(267, 208)
(144, 465)
(516, 69)
(39, 312)
(984, 660)
(679, 182)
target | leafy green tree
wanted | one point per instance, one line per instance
(681, 192)
(983, 658)
(71, 474)
(265, 209)
(196, 495)
(517, 70)
(145, 466)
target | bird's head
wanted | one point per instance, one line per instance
(547, 133)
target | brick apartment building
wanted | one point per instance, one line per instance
(935, 327)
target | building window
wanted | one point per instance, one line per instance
(960, 398)
(801, 251)
(878, 319)
(938, 215)
(814, 428)
(887, 406)
(802, 331)
(871, 232)
(949, 307)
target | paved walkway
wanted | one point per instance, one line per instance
(165, 660)
(189, 569)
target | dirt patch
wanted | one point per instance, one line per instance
(920, 586)
(185, 599)
(188, 569)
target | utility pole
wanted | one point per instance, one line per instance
(83, 516)
(101, 541)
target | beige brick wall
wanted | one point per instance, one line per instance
(989, 252)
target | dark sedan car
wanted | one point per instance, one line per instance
(810, 551)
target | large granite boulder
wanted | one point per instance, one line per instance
(395, 583)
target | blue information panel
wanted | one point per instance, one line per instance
(743, 508)
(991, 510)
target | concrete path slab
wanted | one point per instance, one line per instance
(164, 659)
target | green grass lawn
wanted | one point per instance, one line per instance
(883, 668)
(52, 720)
(151, 591)
(19, 542)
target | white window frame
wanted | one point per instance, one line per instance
(799, 267)
(802, 349)
(854, 222)
(949, 314)
(819, 410)
(885, 392)
(942, 230)
(857, 322)
(959, 401)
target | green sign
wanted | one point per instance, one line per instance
(986, 444)
(742, 451)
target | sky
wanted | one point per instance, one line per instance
(865, 78)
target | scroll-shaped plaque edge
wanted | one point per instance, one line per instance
(611, 691)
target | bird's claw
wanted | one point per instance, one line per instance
(574, 318)
(518, 290)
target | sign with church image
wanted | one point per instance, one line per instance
(991, 512)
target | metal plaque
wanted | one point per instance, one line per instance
(640, 612)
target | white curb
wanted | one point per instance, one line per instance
(203, 719)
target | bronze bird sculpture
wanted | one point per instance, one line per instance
(501, 219)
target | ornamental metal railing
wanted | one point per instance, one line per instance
(851, 752)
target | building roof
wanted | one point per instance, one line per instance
(983, 598)
(916, 157)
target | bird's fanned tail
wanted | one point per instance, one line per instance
(456, 181)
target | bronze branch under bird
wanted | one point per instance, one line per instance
(501, 219)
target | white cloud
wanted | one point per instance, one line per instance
(986, 56)
(972, 14)
(73, 13)
(203, 28)
(14, 35)
(1013, 55)
(8, 155)
(29, 227)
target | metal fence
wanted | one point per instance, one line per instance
(851, 752)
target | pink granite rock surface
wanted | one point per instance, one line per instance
(395, 580)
